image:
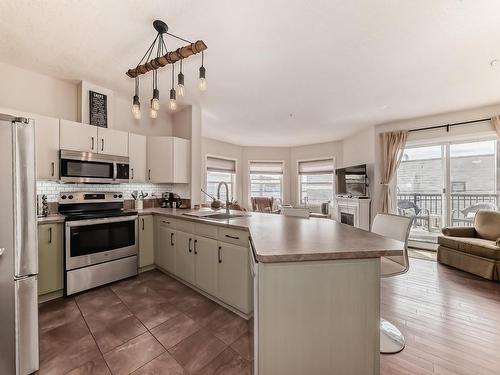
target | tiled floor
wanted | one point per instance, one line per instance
(150, 324)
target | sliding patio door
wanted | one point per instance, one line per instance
(446, 184)
(420, 190)
(473, 180)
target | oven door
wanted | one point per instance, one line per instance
(96, 241)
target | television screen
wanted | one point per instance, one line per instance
(352, 181)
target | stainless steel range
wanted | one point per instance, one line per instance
(101, 239)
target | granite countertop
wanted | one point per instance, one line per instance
(278, 238)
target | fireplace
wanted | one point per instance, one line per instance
(347, 218)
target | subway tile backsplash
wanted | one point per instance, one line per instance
(53, 188)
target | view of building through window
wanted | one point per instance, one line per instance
(446, 184)
(266, 185)
(213, 179)
(316, 189)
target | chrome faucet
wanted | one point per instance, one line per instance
(227, 195)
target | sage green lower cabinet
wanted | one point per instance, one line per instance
(50, 258)
(184, 256)
(205, 264)
(209, 257)
(234, 283)
(146, 241)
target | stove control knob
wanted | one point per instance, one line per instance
(120, 196)
(115, 196)
(70, 197)
(63, 197)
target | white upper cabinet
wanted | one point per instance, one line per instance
(76, 136)
(168, 160)
(47, 147)
(137, 149)
(112, 142)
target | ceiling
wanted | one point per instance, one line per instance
(280, 73)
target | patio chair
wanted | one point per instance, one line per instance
(410, 209)
(470, 212)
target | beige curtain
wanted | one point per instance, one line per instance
(392, 145)
(495, 121)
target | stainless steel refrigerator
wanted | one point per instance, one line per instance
(18, 248)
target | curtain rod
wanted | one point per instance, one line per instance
(448, 126)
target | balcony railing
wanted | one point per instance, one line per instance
(432, 204)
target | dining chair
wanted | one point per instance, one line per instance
(397, 228)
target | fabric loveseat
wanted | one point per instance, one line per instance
(473, 249)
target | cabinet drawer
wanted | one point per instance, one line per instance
(206, 230)
(167, 222)
(184, 226)
(235, 236)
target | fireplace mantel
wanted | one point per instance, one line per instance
(359, 208)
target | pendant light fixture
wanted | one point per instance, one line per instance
(202, 83)
(180, 82)
(163, 58)
(136, 106)
(173, 101)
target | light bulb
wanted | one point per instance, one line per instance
(173, 102)
(153, 113)
(155, 102)
(136, 108)
(202, 83)
(180, 90)
(180, 84)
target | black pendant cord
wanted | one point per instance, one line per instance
(137, 86)
(173, 75)
(178, 37)
(149, 50)
(202, 56)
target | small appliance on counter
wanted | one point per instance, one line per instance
(171, 200)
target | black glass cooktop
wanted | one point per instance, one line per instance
(98, 214)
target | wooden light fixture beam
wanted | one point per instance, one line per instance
(168, 58)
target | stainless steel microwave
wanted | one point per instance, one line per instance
(89, 167)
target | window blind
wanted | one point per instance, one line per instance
(266, 167)
(323, 166)
(221, 165)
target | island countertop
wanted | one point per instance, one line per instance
(278, 238)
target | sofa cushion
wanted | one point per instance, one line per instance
(487, 224)
(475, 246)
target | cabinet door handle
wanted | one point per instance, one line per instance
(219, 255)
(143, 224)
(233, 237)
(92, 143)
(50, 235)
(165, 222)
(195, 250)
(53, 165)
(189, 246)
(102, 144)
(132, 170)
(149, 174)
(171, 239)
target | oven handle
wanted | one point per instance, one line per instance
(105, 220)
(115, 171)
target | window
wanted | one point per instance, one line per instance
(266, 179)
(316, 181)
(218, 170)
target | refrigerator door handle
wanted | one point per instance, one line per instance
(25, 226)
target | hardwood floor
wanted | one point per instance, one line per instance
(451, 321)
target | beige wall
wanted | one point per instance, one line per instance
(289, 155)
(30, 92)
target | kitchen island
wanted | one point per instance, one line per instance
(316, 285)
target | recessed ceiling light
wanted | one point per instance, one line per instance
(494, 63)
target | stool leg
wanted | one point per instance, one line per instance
(391, 338)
